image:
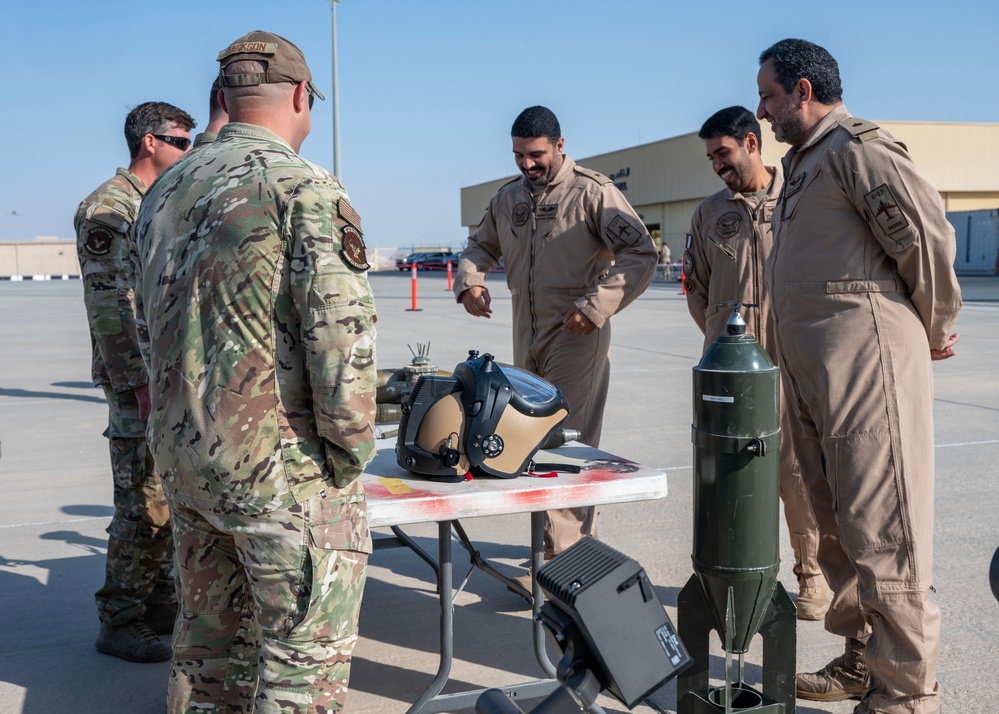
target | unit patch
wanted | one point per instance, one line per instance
(690, 240)
(99, 241)
(548, 210)
(352, 252)
(622, 229)
(728, 224)
(885, 210)
(794, 185)
(520, 213)
(347, 213)
(688, 264)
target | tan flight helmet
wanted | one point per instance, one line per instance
(487, 419)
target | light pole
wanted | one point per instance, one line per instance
(336, 100)
(17, 239)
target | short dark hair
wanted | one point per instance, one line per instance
(798, 59)
(153, 118)
(214, 108)
(536, 121)
(736, 122)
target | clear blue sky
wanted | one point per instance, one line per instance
(428, 89)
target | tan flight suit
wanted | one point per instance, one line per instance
(863, 285)
(727, 248)
(579, 242)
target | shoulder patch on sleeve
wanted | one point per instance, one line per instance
(347, 213)
(352, 253)
(860, 128)
(620, 228)
(884, 209)
(98, 241)
(590, 173)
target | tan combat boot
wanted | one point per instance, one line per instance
(813, 600)
(846, 677)
(134, 642)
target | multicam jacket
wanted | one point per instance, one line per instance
(261, 327)
(103, 223)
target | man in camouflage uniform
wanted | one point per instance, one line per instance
(864, 297)
(138, 598)
(575, 253)
(217, 118)
(262, 378)
(727, 247)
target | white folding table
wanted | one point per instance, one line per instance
(397, 497)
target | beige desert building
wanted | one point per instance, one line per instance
(665, 180)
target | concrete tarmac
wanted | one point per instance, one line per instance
(55, 502)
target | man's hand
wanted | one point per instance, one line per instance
(575, 321)
(142, 397)
(948, 349)
(476, 301)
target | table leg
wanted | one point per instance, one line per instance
(537, 596)
(445, 585)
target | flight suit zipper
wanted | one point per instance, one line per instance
(530, 272)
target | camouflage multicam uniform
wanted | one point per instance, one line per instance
(140, 552)
(262, 378)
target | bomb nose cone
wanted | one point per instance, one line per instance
(735, 325)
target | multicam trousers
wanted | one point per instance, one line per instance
(140, 546)
(269, 606)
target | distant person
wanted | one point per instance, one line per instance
(262, 376)
(665, 255)
(864, 297)
(727, 247)
(138, 598)
(217, 117)
(575, 253)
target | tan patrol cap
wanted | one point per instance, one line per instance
(284, 61)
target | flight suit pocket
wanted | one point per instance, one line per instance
(794, 189)
(726, 249)
(866, 499)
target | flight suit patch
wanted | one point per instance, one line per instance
(548, 210)
(794, 185)
(347, 213)
(885, 210)
(690, 240)
(99, 241)
(728, 225)
(352, 253)
(520, 213)
(622, 230)
(688, 263)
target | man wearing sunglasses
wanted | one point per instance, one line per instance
(262, 379)
(138, 599)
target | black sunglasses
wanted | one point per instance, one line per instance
(312, 97)
(180, 142)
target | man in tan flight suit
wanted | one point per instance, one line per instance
(864, 296)
(575, 253)
(727, 247)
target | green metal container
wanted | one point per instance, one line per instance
(735, 432)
